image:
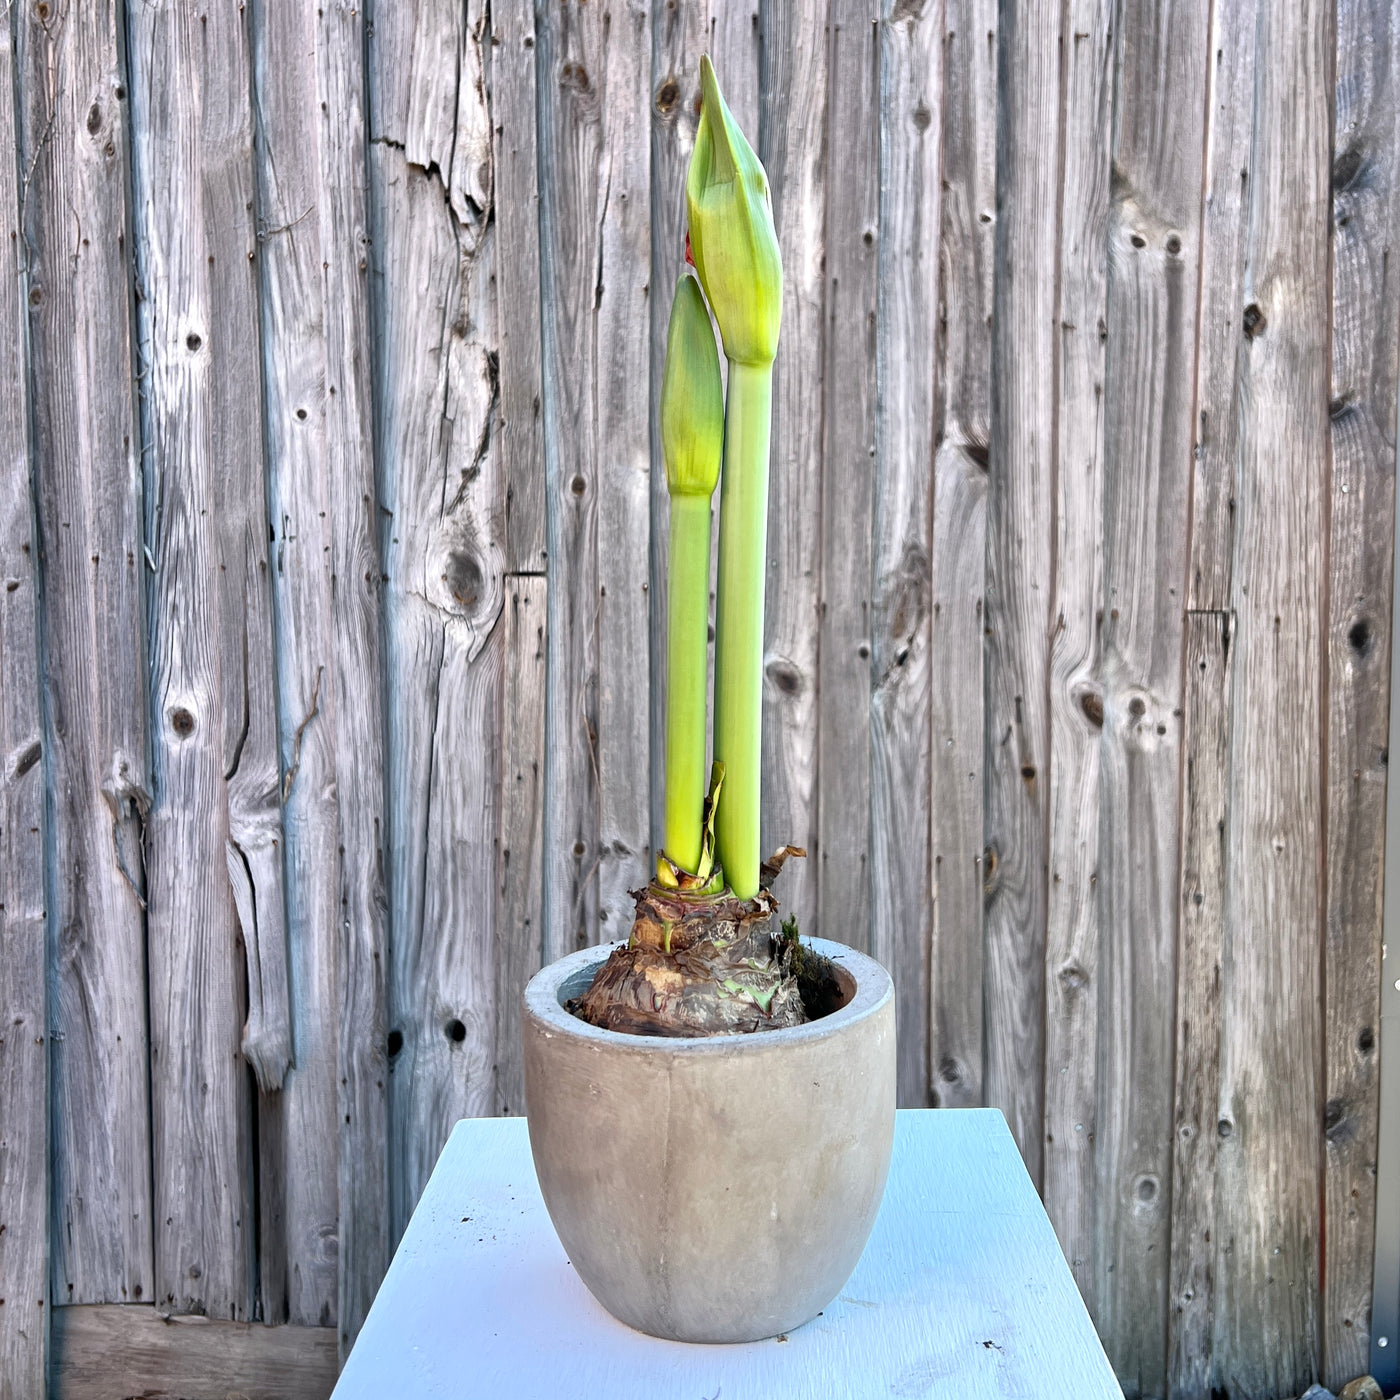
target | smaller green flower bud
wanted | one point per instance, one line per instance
(731, 231)
(692, 397)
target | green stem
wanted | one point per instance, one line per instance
(687, 637)
(743, 530)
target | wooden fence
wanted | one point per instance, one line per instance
(332, 538)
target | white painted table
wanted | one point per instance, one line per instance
(962, 1292)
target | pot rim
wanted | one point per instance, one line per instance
(873, 988)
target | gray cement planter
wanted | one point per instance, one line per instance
(712, 1190)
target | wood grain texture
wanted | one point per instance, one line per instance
(911, 91)
(362, 1242)
(521, 942)
(24, 1051)
(1229, 123)
(104, 1351)
(1019, 566)
(298, 1126)
(190, 122)
(1269, 1159)
(1365, 351)
(619, 54)
(73, 149)
(1153, 256)
(569, 118)
(443, 501)
(1073, 934)
(853, 239)
(961, 1292)
(520, 915)
(1207, 690)
(1205, 801)
(961, 464)
(251, 755)
(792, 124)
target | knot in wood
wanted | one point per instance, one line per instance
(182, 722)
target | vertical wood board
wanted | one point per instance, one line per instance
(87, 472)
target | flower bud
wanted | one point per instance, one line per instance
(692, 398)
(732, 240)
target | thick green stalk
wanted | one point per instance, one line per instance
(687, 644)
(743, 533)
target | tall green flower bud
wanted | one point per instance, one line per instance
(735, 249)
(692, 439)
(731, 231)
(692, 397)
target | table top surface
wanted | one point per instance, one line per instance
(962, 1291)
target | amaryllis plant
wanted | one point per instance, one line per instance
(702, 958)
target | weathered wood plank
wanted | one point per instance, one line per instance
(190, 121)
(362, 1240)
(852, 237)
(1153, 250)
(793, 85)
(1201, 949)
(1019, 562)
(1220, 340)
(443, 500)
(298, 1126)
(519, 947)
(569, 140)
(24, 1051)
(104, 1351)
(251, 760)
(1269, 1159)
(911, 128)
(621, 52)
(1365, 351)
(73, 151)
(1229, 122)
(520, 917)
(1073, 934)
(960, 471)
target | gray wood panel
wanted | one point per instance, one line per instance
(1365, 370)
(853, 237)
(87, 473)
(443, 507)
(1153, 252)
(794, 83)
(1207, 690)
(1073, 934)
(961, 468)
(620, 52)
(1269, 1159)
(1201, 950)
(190, 123)
(1019, 569)
(24, 1050)
(520, 915)
(570, 114)
(362, 1241)
(104, 1351)
(911, 92)
(520, 918)
(298, 1125)
(1075, 656)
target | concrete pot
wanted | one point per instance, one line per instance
(719, 1189)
